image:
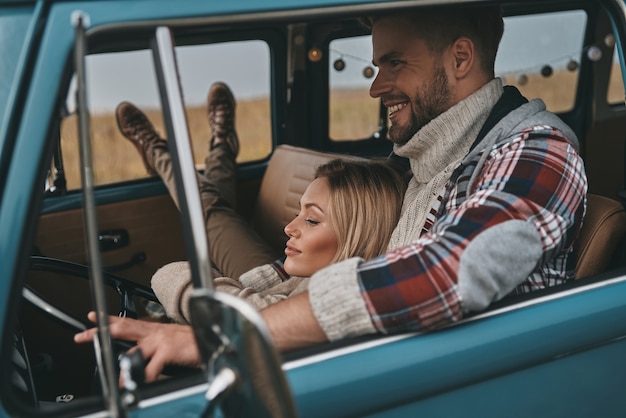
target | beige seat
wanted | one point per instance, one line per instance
(289, 172)
(603, 229)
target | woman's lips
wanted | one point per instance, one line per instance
(291, 251)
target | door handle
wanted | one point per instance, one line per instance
(113, 239)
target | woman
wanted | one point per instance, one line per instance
(340, 215)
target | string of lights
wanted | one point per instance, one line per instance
(591, 52)
(340, 64)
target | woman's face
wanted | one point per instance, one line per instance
(312, 242)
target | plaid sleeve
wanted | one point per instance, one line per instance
(538, 178)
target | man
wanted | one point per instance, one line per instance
(494, 206)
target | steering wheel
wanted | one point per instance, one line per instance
(126, 289)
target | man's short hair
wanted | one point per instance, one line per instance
(442, 26)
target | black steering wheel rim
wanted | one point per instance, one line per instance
(126, 289)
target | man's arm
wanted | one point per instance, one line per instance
(514, 225)
(160, 344)
(292, 325)
(513, 228)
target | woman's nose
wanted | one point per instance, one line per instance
(290, 229)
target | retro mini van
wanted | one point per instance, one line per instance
(83, 226)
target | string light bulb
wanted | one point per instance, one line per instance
(546, 71)
(339, 64)
(572, 65)
(594, 53)
(315, 54)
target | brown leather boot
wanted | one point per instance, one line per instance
(136, 127)
(221, 115)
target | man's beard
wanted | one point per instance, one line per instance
(426, 105)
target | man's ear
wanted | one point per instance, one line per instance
(464, 56)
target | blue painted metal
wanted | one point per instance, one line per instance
(15, 25)
(409, 374)
(543, 360)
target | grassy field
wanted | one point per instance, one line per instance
(353, 114)
(115, 158)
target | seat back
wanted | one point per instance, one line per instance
(603, 229)
(289, 172)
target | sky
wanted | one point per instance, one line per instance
(527, 46)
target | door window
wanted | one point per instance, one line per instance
(130, 76)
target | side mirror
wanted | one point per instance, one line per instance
(242, 366)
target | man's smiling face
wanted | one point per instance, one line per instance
(411, 79)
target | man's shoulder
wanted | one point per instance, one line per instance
(533, 117)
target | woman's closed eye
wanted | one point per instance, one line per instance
(309, 220)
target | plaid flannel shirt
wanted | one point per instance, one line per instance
(537, 177)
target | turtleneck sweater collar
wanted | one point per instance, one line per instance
(448, 137)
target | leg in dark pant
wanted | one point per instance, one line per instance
(234, 247)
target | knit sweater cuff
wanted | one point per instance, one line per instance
(260, 278)
(337, 302)
(172, 286)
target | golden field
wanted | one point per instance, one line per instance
(353, 114)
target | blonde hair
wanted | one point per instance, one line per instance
(364, 205)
